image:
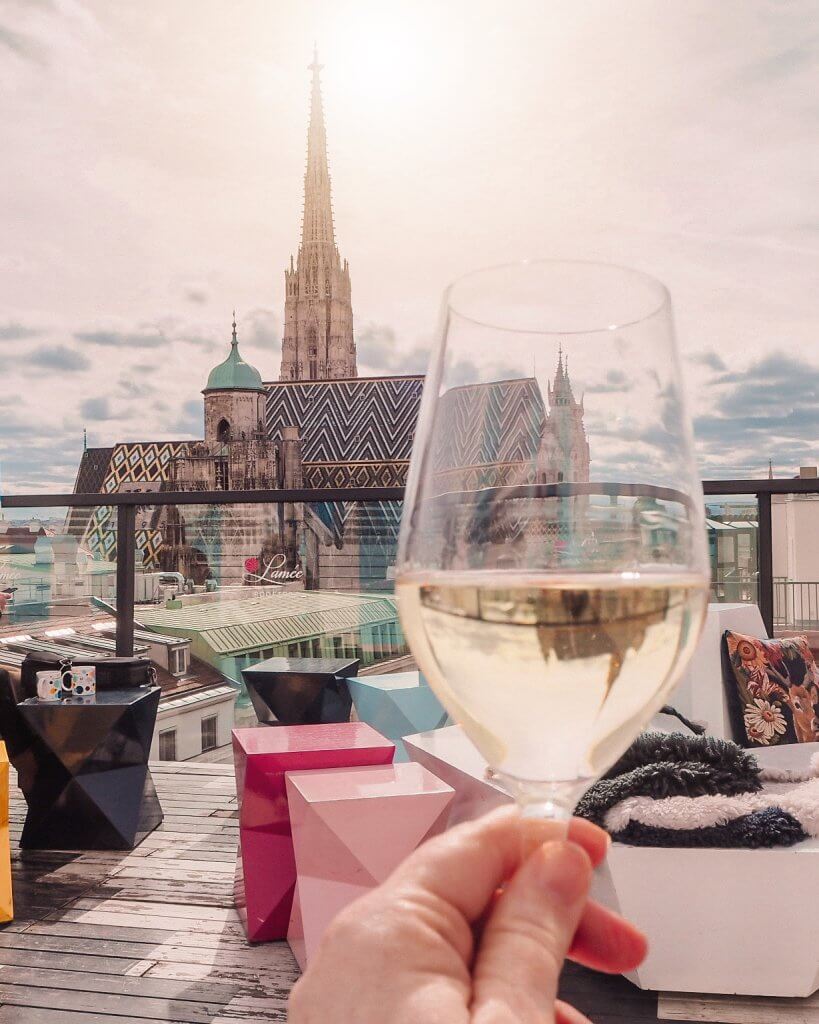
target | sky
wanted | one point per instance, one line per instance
(150, 182)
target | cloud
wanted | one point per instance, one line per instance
(709, 359)
(58, 357)
(196, 293)
(379, 349)
(134, 388)
(150, 338)
(21, 45)
(15, 331)
(616, 383)
(770, 409)
(191, 422)
(259, 329)
(100, 409)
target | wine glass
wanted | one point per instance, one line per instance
(552, 572)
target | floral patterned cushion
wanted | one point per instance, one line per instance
(772, 688)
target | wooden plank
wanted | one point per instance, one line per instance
(43, 1015)
(149, 988)
(195, 941)
(113, 918)
(130, 1006)
(62, 960)
(272, 957)
(169, 911)
(738, 1009)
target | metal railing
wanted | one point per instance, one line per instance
(796, 604)
(127, 503)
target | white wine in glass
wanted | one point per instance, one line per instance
(552, 573)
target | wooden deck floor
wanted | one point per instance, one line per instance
(151, 935)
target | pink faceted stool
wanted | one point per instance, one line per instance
(266, 867)
(351, 828)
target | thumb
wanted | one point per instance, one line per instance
(528, 935)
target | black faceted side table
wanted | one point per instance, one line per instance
(84, 770)
(301, 691)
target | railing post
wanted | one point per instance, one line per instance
(126, 558)
(765, 554)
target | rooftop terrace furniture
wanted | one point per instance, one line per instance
(700, 694)
(742, 922)
(82, 764)
(145, 938)
(300, 691)
(351, 828)
(111, 673)
(266, 867)
(397, 704)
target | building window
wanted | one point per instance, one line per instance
(338, 647)
(167, 745)
(223, 432)
(316, 644)
(209, 733)
(178, 661)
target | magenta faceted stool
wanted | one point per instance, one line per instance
(454, 759)
(266, 867)
(351, 828)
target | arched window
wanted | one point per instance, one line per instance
(223, 432)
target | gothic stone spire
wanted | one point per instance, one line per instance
(564, 448)
(318, 321)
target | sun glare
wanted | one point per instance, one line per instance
(380, 59)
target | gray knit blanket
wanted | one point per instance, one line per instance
(687, 791)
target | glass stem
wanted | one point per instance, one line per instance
(546, 808)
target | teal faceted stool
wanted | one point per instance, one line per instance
(396, 705)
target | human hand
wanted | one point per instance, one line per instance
(437, 944)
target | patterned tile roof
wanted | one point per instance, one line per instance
(363, 419)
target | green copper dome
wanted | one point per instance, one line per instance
(234, 374)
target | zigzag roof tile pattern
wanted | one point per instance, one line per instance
(363, 419)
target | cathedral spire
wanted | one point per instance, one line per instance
(317, 341)
(317, 220)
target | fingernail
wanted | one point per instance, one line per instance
(564, 869)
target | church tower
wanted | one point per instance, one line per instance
(564, 447)
(318, 316)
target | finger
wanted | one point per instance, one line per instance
(605, 941)
(526, 939)
(468, 863)
(565, 1014)
(537, 831)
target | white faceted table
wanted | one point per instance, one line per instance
(452, 757)
(738, 922)
(741, 922)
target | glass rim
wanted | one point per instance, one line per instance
(653, 283)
